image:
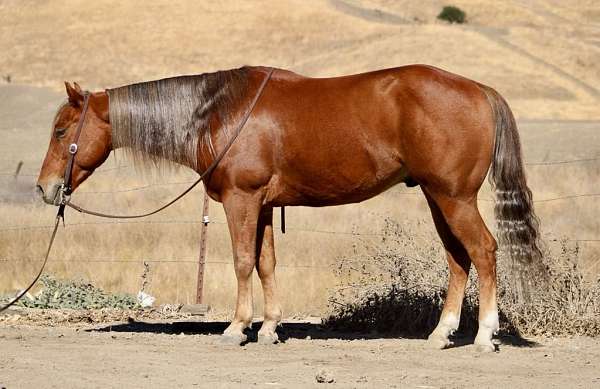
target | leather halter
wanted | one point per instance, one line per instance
(67, 187)
(73, 146)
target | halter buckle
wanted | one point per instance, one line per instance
(73, 148)
(64, 195)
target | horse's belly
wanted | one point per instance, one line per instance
(335, 181)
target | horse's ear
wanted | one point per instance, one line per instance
(78, 88)
(75, 95)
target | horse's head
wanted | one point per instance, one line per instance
(93, 146)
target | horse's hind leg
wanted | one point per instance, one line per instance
(266, 271)
(459, 264)
(467, 226)
(242, 210)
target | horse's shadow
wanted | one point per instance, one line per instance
(286, 331)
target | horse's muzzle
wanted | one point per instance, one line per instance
(51, 194)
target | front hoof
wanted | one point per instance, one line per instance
(485, 348)
(233, 339)
(268, 338)
(437, 342)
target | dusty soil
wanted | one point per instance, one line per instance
(187, 353)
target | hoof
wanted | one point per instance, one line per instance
(268, 338)
(485, 348)
(437, 343)
(233, 339)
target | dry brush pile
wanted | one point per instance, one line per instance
(398, 285)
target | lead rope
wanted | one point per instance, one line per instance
(24, 292)
(66, 189)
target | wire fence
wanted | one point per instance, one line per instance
(141, 188)
(137, 261)
(123, 167)
(220, 222)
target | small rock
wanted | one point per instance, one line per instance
(324, 376)
(308, 338)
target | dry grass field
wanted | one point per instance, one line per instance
(542, 55)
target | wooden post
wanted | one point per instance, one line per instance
(19, 166)
(202, 255)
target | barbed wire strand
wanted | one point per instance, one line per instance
(220, 222)
(138, 261)
(394, 192)
(542, 163)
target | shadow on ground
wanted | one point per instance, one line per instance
(308, 331)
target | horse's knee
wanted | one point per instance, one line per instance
(243, 267)
(265, 270)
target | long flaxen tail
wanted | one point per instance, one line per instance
(517, 224)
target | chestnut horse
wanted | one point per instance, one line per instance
(321, 142)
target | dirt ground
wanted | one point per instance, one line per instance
(189, 354)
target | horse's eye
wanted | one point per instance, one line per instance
(60, 132)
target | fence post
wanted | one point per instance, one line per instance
(202, 255)
(18, 170)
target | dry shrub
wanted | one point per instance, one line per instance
(397, 285)
(57, 294)
(567, 304)
(452, 14)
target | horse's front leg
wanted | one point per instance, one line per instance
(266, 271)
(242, 210)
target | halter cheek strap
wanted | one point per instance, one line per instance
(67, 187)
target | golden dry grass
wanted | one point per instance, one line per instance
(397, 285)
(541, 55)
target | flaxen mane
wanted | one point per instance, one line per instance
(165, 120)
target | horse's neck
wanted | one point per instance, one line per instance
(165, 119)
(157, 120)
